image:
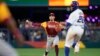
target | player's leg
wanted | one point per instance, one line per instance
(69, 40)
(6, 49)
(77, 46)
(68, 45)
(48, 45)
(55, 44)
(76, 49)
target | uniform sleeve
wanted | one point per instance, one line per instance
(44, 24)
(81, 15)
(71, 19)
(4, 12)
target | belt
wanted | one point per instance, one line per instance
(51, 35)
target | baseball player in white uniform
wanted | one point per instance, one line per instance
(75, 23)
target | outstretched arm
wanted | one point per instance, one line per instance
(7, 19)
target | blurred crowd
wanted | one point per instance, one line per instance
(33, 31)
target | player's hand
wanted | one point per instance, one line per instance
(57, 28)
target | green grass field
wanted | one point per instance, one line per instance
(40, 52)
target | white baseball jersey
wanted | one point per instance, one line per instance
(75, 19)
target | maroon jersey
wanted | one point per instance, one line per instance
(51, 28)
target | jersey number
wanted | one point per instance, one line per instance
(80, 20)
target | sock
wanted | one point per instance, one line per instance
(56, 50)
(67, 50)
(46, 53)
(74, 45)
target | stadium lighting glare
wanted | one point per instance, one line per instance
(90, 7)
(96, 7)
(93, 20)
(96, 17)
(88, 19)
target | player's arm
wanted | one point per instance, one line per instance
(7, 19)
(44, 25)
(58, 27)
(11, 25)
(68, 24)
(63, 25)
(70, 21)
(81, 17)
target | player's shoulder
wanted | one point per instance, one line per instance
(43, 23)
(79, 10)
